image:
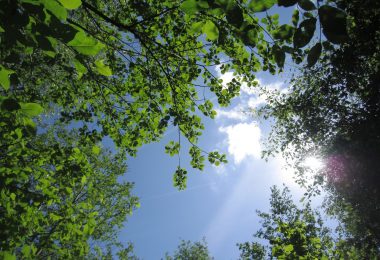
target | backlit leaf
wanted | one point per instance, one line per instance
(102, 68)
(4, 77)
(71, 4)
(85, 44)
(211, 31)
(261, 5)
(31, 109)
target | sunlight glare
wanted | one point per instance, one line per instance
(313, 163)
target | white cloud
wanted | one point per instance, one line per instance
(243, 140)
(236, 113)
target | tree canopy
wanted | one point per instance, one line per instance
(332, 110)
(73, 73)
(293, 232)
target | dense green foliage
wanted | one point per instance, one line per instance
(73, 73)
(69, 194)
(188, 250)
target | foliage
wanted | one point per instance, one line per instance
(57, 194)
(298, 233)
(292, 232)
(188, 250)
(136, 68)
(332, 109)
(128, 71)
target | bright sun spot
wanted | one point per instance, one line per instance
(313, 163)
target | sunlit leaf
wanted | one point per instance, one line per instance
(4, 77)
(55, 8)
(86, 44)
(211, 31)
(31, 109)
(261, 5)
(102, 68)
(189, 6)
(71, 4)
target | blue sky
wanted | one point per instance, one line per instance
(220, 202)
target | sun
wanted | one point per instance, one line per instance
(313, 163)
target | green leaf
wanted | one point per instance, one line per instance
(31, 109)
(102, 68)
(288, 248)
(196, 27)
(4, 77)
(55, 217)
(96, 149)
(180, 178)
(1, 29)
(85, 45)
(80, 68)
(306, 5)
(261, 5)
(55, 8)
(314, 54)
(189, 7)
(287, 3)
(70, 4)
(334, 24)
(304, 33)
(279, 56)
(83, 180)
(295, 17)
(7, 255)
(211, 31)
(284, 32)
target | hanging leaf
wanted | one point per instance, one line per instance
(261, 5)
(314, 54)
(279, 55)
(180, 178)
(295, 17)
(306, 5)
(334, 24)
(4, 77)
(304, 33)
(287, 3)
(71, 4)
(211, 31)
(102, 68)
(31, 109)
(85, 44)
(235, 16)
